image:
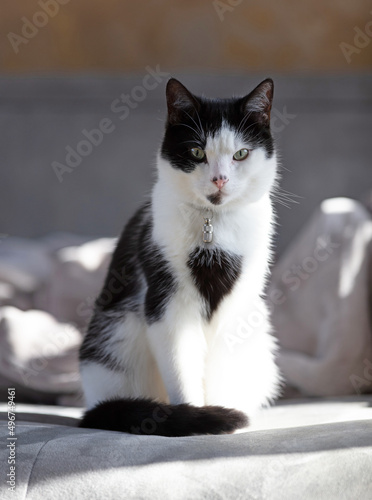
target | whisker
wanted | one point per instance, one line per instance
(196, 141)
(191, 128)
(200, 124)
(198, 127)
(285, 198)
(243, 121)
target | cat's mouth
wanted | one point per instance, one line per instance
(215, 198)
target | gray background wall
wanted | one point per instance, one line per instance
(325, 147)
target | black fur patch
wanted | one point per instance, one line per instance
(122, 280)
(215, 273)
(144, 416)
(160, 280)
(98, 345)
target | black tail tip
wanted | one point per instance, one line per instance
(221, 420)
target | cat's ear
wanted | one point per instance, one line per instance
(260, 101)
(179, 101)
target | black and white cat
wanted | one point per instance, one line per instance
(180, 341)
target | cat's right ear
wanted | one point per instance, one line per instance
(179, 101)
(260, 101)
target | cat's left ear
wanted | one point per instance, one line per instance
(260, 101)
(179, 101)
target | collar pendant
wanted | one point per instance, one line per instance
(207, 230)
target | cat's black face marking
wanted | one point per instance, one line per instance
(192, 119)
(215, 198)
(214, 273)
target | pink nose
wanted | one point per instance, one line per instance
(221, 181)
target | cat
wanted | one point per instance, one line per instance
(180, 339)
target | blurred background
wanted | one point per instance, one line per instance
(82, 112)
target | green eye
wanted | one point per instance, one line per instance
(198, 153)
(241, 154)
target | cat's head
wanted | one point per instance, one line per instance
(218, 152)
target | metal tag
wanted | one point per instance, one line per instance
(207, 231)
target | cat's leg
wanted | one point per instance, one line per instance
(178, 344)
(118, 363)
(240, 367)
(100, 383)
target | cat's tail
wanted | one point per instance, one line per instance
(144, 416)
